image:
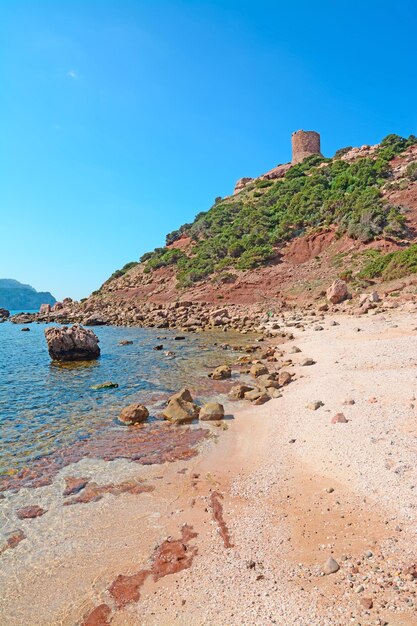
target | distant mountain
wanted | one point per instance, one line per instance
(17, 296)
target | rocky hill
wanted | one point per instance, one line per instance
(17, 296)
(279, 240)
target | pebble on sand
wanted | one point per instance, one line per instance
(313, 406)
(339, 418)
(331, 566)
(307, 361)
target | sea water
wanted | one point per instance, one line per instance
(45, 407)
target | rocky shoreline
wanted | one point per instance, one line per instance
(197, 316)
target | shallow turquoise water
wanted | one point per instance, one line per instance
(44, 406)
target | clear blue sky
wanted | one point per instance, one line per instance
(120, 120)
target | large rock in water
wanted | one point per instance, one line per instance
(72, 344)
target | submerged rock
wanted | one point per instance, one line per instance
(12, 540)
(74, 484)
(221, 372)
(72, 344)
(29, 512)
(107, 385)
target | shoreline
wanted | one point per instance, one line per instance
(272, 470)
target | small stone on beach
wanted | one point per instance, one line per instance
(307, 361)
(331, 566)
(339, 418)
(313, 406)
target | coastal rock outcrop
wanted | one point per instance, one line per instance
(72, 344)
(241, 184)
(4, 313)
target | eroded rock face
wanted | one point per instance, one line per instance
(241, 184)
(337, 292)
(45, 309)
(72, 344)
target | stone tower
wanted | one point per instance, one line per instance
(304, 144)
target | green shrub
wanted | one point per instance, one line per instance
(264, 183)
(392, 265)
(393, 144)
(339, 153)
(164, 257)
(411, 171)
(123, 271)
(243, 231)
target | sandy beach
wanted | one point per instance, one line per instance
(268, 500)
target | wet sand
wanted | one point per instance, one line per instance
(243, 529)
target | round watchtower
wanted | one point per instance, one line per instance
(304, 144)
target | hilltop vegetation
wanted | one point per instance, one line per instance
(245, 231)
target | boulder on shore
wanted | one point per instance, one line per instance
(237, 392)
(212, 411)
(337, 292)
(4, 313)
(181, 408)
(258, 369)
(72, 344)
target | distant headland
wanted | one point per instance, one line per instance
(17, 296)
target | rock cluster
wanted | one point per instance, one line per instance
(185, 315)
